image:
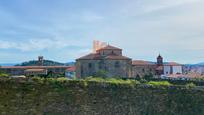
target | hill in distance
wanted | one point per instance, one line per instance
(45, 63)
(8, 64)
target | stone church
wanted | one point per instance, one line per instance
(108, 59)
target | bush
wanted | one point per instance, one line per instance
(101, 73)
(149, 76)
(190, 85)
(4, 75)
(114, 81)
(159, 83)
(143, 81)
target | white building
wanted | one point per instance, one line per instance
(172, 68)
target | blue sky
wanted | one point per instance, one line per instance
(63, 30)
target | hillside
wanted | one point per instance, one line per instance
(45, 63)
(197, 68)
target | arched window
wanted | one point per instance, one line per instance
(90, 65)
(112, 52)
(117, 64)
(101, 65)
(143, 70)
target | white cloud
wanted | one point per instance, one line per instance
(36, 44)
(164, 4)
(91, 16)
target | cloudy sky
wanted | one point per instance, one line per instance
(63, 30)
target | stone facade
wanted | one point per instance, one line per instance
(140, 70)
(108, 59)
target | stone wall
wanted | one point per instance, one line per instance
(142, 70)
(86, 68)
(92, 98)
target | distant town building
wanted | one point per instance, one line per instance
(39, 69)
(40, 60)
(35, 72)
(70, 72)
(172, 68)
(141, 68)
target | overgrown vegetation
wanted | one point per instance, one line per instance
(159, 83)
(2, 74)
(190, 85)
(109, 81)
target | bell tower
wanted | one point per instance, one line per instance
(159, 60)
(40, 60)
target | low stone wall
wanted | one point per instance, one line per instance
(25, 97)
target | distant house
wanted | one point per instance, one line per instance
(141, 68)
(172, 68)
(34, 72)
(70, 72)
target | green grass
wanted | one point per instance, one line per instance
(114, 81)
(4, 75)
(159, 83)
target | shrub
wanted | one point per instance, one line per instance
(143, 81)
(159, 83)
(190, 85)
(113, 81)
(101, 73)
(4, 75)
(148, 76)
(97, 79)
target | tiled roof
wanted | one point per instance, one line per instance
(31, 67)
(72, 68)
(172, 64)
(90, 56)
(116, 57)
(109, 47)
(176, 76)
(142, 62)
(194, 75)
(95, 56)
(34, 70)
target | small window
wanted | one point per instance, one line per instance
(90, 65)
(143, 70)
(82, 71)
(117, 64)
(106, 68)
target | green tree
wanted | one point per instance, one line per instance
(101, 73)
